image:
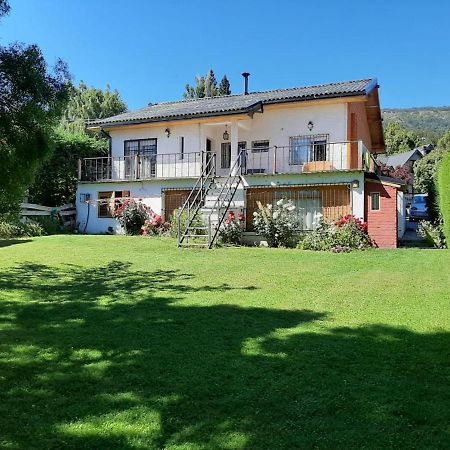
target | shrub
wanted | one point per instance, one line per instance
(278, 224)
(197, 222)
(432, 233)
(10, 230)
(154, 226)
(444, 194)
(231, 232)
(426, 173)
(132, 216)
(346, 234)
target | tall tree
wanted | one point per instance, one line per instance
(211, 89)
(87, 103)
(56, 180)
(399, 139)
(207, 87)
(31, 100)
(224, 87)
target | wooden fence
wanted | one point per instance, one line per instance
(67, 213)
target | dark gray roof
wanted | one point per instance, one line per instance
(399, 159)
(236, 104)
(382, 178)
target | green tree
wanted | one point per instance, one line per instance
(211, 89)
(31, 100)
(57, 178)
(426, 178)
(398, 139)
(224, 87)
(444, 142)
(4, 8)
(206, 87)
(87, 103)
(444, 194)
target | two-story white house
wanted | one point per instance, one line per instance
(314, 145)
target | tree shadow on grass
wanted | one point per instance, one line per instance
(9, 242)
(109, 357)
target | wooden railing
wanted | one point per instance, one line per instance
(170, 165)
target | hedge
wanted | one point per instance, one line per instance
(444, 194)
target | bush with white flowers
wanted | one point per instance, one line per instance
(278, 223)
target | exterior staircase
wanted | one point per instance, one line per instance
(208, 204)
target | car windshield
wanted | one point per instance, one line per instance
(419, 200)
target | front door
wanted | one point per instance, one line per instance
(208, 151)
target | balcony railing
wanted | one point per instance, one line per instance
(170, 165)
(294, 159)
(322, 157)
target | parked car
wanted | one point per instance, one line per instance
(419, 207)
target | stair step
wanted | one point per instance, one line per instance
(198, 228)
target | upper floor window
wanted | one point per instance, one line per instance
(260, 146)
(140, 147)
(308, 148)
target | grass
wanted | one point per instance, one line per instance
(112, 342)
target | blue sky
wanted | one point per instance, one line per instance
(148, 50)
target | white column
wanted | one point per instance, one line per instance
(234, 143)
(201, 143)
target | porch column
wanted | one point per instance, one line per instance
(234, 143)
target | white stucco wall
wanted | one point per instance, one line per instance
(276, 124)
(148, 191)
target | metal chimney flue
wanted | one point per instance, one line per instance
(245, 75)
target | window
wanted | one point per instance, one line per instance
(141, 147)
(146, 149)
(108, 201)
(308, 206)
(225, 155)
(304, 149)
(375, 201)
(260, 146)
(182, 147)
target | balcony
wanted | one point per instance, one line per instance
(129, 168)
(294, 159)
(323, 157)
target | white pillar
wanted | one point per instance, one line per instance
(234, 143)
(201, 143)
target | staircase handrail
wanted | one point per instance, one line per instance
(196, 191)
(235, 173)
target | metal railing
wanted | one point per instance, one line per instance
(196, 198)
(224, 199)
(320, 157)
(164, 165)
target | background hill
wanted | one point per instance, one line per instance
(430, 122)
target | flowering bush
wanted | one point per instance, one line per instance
(154, 226)
(132, 215)
(432, 233)
(344, 235)
(278, 224)
(231, 233)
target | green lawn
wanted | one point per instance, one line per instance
(124, 342)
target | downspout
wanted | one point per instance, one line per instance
(108, 136)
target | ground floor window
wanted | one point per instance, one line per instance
(107, 202)
(313, 203)
(173, 199)
(375, 201)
